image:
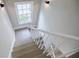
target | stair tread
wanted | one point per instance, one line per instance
(26, 48)
(23, 46)
(30, 50)
(42, 56)
(31, 54)
(24, 51)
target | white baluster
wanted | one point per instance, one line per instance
(45, 40)
(42, 41)
(53, 51)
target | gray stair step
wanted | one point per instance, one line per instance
(23, 46)
(31, 54)
(19, 53)
(30, 50)
(42, 56)
(24, 51)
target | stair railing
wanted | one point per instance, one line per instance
(40, 38)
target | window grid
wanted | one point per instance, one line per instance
(24, 13)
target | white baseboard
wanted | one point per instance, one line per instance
(20, 27)
(11, 49)
(72, 53)
(24, 26)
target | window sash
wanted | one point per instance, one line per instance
(27, 13)
(24, 11)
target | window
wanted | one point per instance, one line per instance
(24, 12)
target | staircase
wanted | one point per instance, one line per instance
(40, 47)
(29, 50)
(35, 48)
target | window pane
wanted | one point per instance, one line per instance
(19, 7)
(23, 19)
(29, 11)
(20, 11)
(24, 11)
(29, 17)
(24, 6)
(28, 6)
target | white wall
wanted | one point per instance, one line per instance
(10, 6)
(7, 35)
(61, 16)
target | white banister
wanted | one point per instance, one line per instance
(58, 34)
(42, 36)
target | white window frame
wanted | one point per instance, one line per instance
(30, 2)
